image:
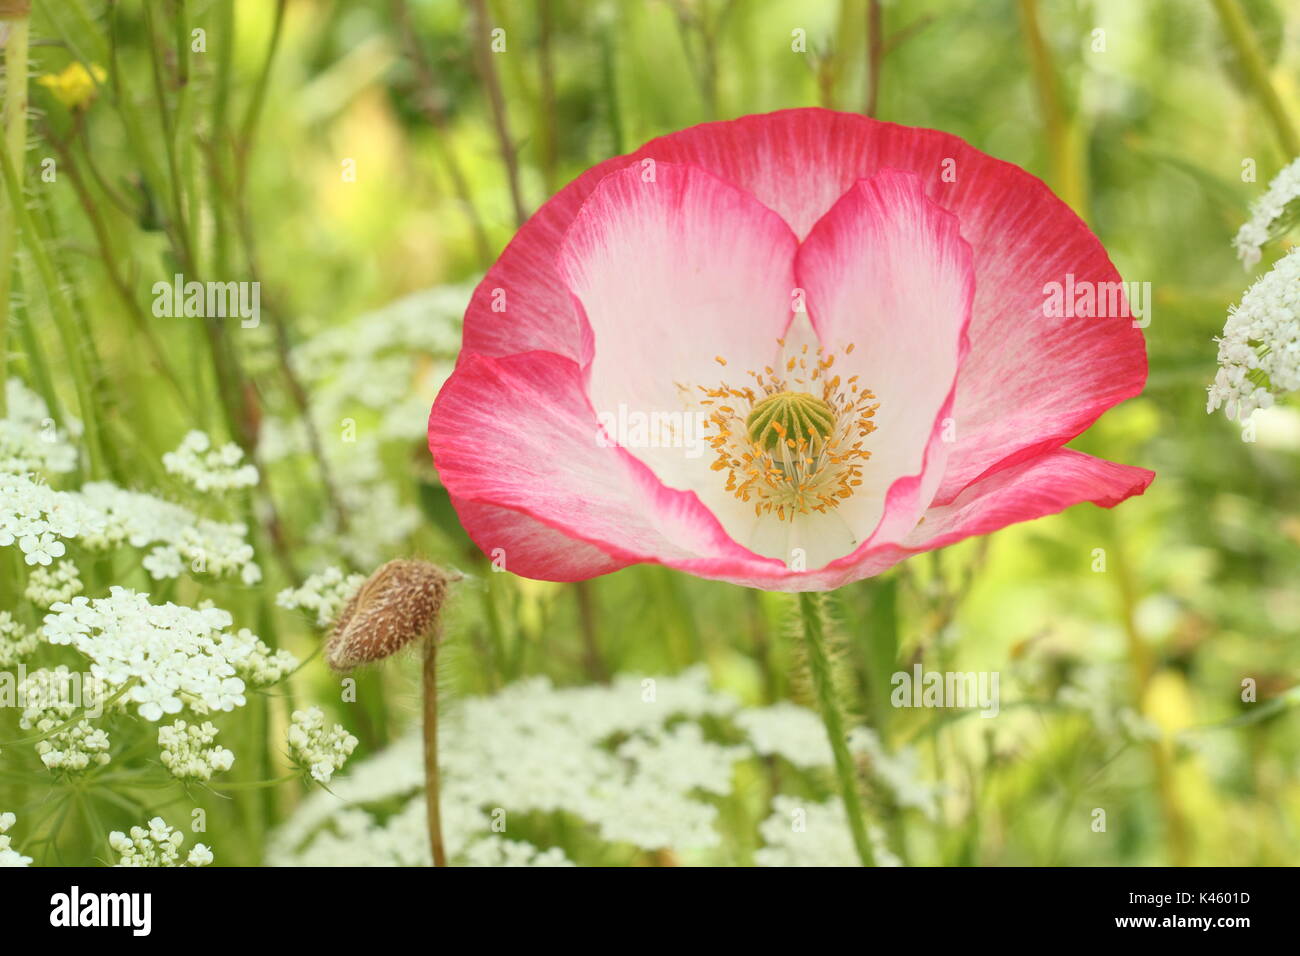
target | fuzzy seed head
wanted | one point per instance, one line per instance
(399, 603)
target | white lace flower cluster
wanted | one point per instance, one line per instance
(254, 661)
(319, 750)
(803, 833)
(190, 751)
(632, 759)
(1259, 352)
(156, 845)
(178, 656)
(8, 855)
(207, 468)
(52, 698)
(102, 516)
(47, 586)
(35, 516)
(29, 439)
(324, 594)
(1265, 213)
(16, 642)
(178, 536)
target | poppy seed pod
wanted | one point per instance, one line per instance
(398, 604)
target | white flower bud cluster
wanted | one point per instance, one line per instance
(1265, 213)
(29, 439)
(156, 845)
(49, 586)
(1259, 352)
(179, 656)
(16, 642)
(190, 752)
(8, 855)
(319, 751)
(50, 698)
(323, 594)
(256, 663)
(207, 468)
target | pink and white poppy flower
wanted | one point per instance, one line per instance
(787, 351)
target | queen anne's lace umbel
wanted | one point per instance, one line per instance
(208, 468)
(189, 751)
(52, 697)
(1265, 213)
(324, 594)
(29, 439)
(8, 855)
(178, 656)
(1259, 351)
(156, 845)
(632, 759)
(47, 586)
(320, 750)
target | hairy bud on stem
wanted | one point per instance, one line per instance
(399, 604)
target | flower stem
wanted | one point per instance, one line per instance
(875, 53)
(1178, 836)
(431, 803)
(256, 784)
(487, 69)
(15, 14)
(814, 633)
(1244, 42)
(1064, 145)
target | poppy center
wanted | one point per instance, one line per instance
(791, 442)
(790, 417)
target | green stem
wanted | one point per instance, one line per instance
(63, 318)
(254, 784)
(432, 801)
(15, 145)
(814, 633)
(1063, 137)
(1243, 41)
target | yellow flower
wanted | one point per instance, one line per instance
(75, 86)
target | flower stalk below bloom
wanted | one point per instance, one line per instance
(814, 632)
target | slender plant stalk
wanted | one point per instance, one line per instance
(1066, 158)
(15, 15)
(1142, 670)
(108, 256)
(814, 633)
(496, 99)
(588, 620)
(1243, 40)
(429, 102)
(64, 321)
(550, 132)
(432, 805)
(875, 53)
